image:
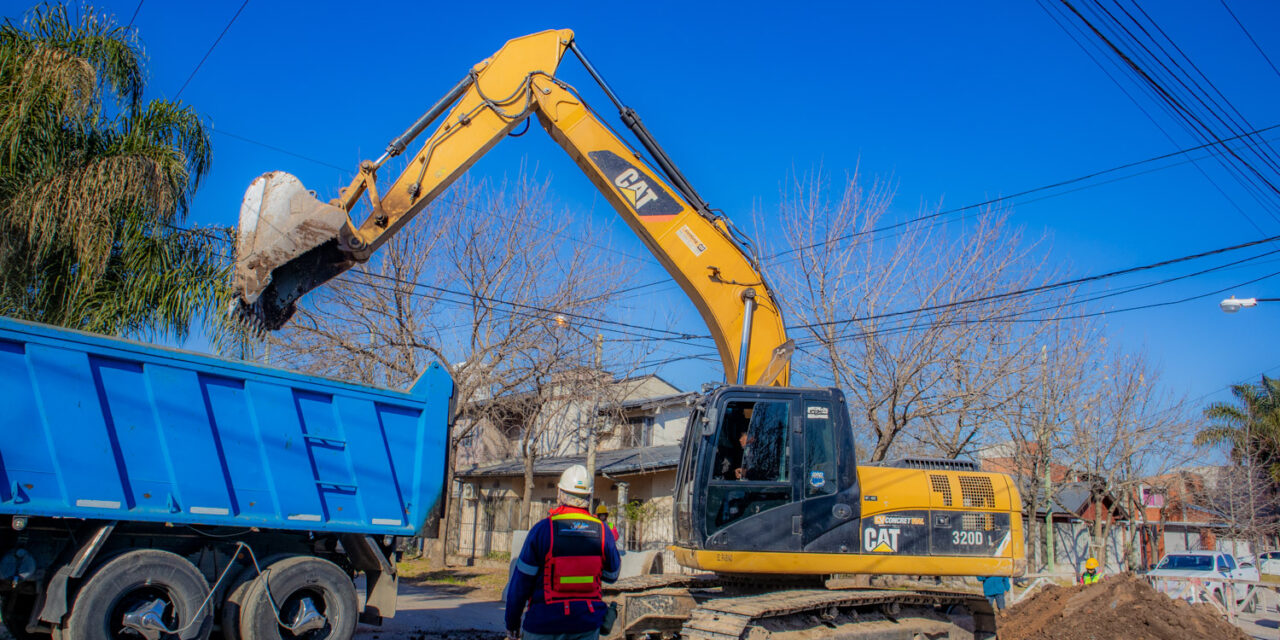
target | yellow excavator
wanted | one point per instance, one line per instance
(794, 536)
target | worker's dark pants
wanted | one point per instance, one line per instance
(585, 635)
(996, 601)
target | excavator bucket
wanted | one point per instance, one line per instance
(288, 245)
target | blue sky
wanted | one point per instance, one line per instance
(955, 102)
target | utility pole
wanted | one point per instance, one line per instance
(1048, 515)
(591, 420)
(1043, 454)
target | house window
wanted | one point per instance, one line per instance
(1153, 497)
(639, 432)
(466, 441)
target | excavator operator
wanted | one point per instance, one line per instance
(731, 455)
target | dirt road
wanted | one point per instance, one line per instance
(430, 612)
(461, 603)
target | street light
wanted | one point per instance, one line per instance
(1234, 304)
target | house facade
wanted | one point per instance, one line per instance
(637, 423)
(636, 485)
(1165, 514)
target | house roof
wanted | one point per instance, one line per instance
(617, 462)
(675, 399)
(634, 381)
(1072, 496)
(1068, 498)
(645, 376)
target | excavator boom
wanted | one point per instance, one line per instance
(291, 242)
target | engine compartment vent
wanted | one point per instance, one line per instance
(941, 486)
(928, 464)
(976, 491)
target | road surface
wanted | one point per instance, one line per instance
(428, 613)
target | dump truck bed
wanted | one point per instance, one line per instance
(102, 428)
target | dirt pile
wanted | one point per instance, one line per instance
(1122, 606)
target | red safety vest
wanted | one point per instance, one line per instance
(576, 558)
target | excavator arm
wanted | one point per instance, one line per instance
(291, 243)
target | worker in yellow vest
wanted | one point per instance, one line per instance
(1090, 574)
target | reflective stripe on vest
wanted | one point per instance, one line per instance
(575, 560)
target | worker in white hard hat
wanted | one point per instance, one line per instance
(566, 557)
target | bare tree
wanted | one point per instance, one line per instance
(913, 321)
(1244, 496)
(477, 282)
(1043, 400)
(1132, 428)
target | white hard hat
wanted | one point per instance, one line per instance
(575, 480)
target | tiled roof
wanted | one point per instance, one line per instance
(675, 399)
(617, 462)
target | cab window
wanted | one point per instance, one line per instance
(820, 450)
(749, 473)
(752, 442)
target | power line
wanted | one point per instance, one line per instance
(1129, 48)
(1250, 36)
(991, 201)
(1019, 315)
(589, 321)
(450, 201)
(211, 48)
(1230, 116)
(1013, 317)
(135, 12)
(279, 149)
(1044, 287)
(673, 336)
(1066, 25)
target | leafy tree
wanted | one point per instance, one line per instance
(94, 183)
(1250, 425)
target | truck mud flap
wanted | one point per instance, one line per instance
(52, 601)
(381, 580)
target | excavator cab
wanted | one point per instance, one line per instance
(766, 469)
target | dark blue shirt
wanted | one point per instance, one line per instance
(994, 585)
(526, 586)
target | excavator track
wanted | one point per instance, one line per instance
(693, 608)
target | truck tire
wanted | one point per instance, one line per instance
(131, 580)
(229, 612)
(295, 585)
(233, 602)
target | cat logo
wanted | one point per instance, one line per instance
(635, 189)
(644, 197)
(880, 540)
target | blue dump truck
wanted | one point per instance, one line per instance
(154, 493)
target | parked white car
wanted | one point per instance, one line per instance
(1269, 563)
(1208, 569)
